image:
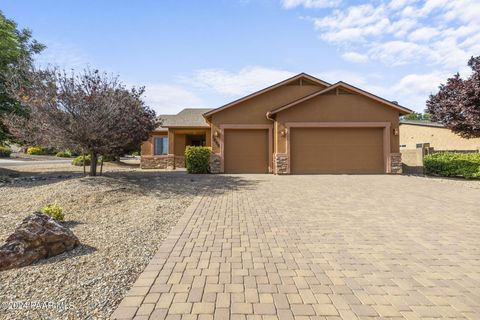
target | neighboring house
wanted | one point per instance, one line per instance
(413, 132)
(300, 125)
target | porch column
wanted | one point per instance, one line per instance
(171, 149)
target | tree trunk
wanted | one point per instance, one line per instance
(93, 164)
(84, 170)
(101, 166)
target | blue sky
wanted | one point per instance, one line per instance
(208, 53)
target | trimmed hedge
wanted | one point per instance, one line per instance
(451, 164)
(5, 152)
(78, 161)
(197, 159)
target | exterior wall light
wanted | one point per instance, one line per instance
(216, 134)
(395, 131)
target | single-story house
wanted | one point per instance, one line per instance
(415, 132)
(299, 125)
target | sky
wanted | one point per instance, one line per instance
(206, 53)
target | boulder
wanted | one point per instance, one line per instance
(37, 237)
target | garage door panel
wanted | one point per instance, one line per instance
(246, 151)
(336, 150)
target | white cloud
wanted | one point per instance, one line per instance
(168, 99)
(434, 32)
(66, 56)
(333, 76)
(414, 89)
(247, 80)
(355, 57)
(289, 4)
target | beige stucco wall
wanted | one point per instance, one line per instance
(146, 148)
(337, 108)
(176, 141)
(439, 138)
(253, 111)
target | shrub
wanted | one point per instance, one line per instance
(78, 161)
(64, 154)
(53, 210)
(450, 164)
(108, 158)
(135, 153)
(5, 152)
(197, 159)
(35, 150)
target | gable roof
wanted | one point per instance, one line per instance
(250, 96)
(190, 117)
(424, 123)
(345, 85)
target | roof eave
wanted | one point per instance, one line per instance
(208, 114)
(403, 110)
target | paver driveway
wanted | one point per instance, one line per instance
(319, 247)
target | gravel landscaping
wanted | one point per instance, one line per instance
(120, 218)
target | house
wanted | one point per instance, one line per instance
(300, 125)
(414, 132)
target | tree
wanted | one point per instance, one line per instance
(16, 48)
(90, 112)
(417, 116)
(457, 104)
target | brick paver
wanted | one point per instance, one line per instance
(318, 247)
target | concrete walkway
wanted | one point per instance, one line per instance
(318, 247)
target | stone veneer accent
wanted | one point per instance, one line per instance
(157, 162)
(215, 163)
(396, 163)
(281, 163)
(179, 162)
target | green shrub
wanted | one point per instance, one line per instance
(53, 210)
(78, 161)
(135, 153)
(197, 159)
(450, 164)
(108, 158)
(5, 152)
(35, 150)
(64, 154)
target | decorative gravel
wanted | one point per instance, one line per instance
(120, 218)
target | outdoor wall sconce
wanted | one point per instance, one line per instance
(216, 134)
(284, 132)
(395, 131)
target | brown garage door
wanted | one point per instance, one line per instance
(336, 150)
(246, 151)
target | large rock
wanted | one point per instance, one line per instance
(38, 236)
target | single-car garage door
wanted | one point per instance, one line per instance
(336, 150)
(246, 151)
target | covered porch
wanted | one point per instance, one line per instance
(165, 149)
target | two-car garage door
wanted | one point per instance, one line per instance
(336, 150)
(312, 150)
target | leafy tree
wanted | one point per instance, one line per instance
(417, 116)
(457, 104)
(90, 112)
(16, 48)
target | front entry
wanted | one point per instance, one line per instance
(246, 151)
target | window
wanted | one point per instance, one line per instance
(160, 145)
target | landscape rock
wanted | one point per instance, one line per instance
(37, 237)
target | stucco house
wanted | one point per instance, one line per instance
(300, 125)
(413, 132)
